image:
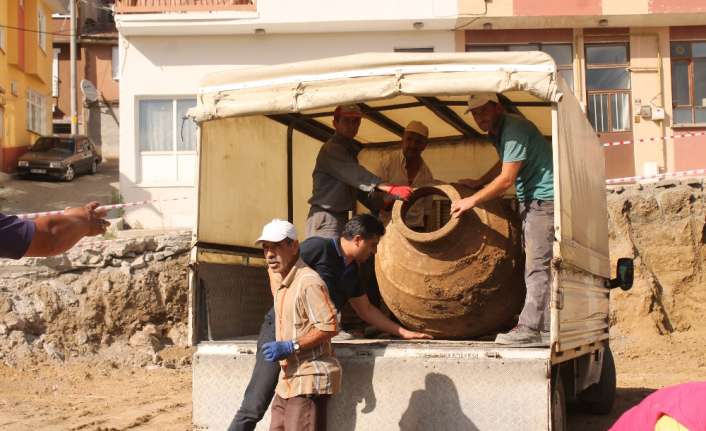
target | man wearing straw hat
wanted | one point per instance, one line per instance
(525, 162)
(408, 167)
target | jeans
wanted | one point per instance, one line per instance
(263, 382)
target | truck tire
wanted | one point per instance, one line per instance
(558, 405)
(598, 398)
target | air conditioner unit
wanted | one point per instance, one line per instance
(14, 88)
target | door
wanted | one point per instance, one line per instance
(608, 104)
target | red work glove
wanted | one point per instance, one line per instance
(401, 192)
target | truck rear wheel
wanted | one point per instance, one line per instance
(598, 398)
(558, 405)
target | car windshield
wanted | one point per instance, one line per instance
(54, 145)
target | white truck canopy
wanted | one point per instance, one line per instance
(429, 87)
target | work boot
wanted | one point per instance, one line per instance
(343, 336)
(520, 334)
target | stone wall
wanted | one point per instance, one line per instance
(125, 297)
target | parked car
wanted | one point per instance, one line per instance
(60, 156)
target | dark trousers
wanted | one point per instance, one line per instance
(263, 381)
(302, 413)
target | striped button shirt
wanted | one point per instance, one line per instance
(301, 304)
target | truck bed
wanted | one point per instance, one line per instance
(397, 384)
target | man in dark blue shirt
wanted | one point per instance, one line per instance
(336, 261)
(49, 235)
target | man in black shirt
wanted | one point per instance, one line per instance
(336, 261)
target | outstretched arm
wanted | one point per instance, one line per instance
(55, 234)
(372, 315)
(493, 190)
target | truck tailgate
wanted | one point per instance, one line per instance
(397, 385)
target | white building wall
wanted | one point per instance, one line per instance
(173, 66)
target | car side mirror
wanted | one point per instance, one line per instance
(624, 272)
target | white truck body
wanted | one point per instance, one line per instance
(260, 131)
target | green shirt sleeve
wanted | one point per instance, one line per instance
(515, 149)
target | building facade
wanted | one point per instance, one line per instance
(96, 57)
(25, 75)
(637, 66)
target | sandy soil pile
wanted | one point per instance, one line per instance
(662, 227)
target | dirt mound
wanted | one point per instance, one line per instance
(662, 227)
(127, 304)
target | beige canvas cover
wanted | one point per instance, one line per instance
(580, 194)
(308, 85)
(235, 160)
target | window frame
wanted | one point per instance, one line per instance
(609, 91)
(115, 62)
(41, 30)
(3, 40)
(540, 45)
(174, 152)
(35, 110)
(689, 60)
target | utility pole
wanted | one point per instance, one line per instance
(74, 117)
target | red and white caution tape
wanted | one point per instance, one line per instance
(656, 139)
(689, 173)
(102, 207)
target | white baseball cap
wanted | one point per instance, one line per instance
(477, 100)
(276, 231)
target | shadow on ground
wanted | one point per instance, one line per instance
(625, 398)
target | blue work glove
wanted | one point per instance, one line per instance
(276, 350)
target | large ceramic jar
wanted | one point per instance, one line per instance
(460, 281)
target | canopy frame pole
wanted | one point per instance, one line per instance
(381, 120)
(449, 116)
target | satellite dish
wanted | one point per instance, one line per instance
(89, 90)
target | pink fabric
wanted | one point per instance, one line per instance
(685, 403)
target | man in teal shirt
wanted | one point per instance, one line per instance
(526, 163)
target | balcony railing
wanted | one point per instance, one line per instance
(156, 6)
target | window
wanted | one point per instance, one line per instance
(55, 73)
(562, 53)
(689, 82)
(167, 141)
(42, 30)
(36, 113)
(608, 87)
(115, 62)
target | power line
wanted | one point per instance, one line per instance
(29, 30)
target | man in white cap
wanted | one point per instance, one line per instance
(305, 323)
(526, 162)
(337, 262)
(408, 167)
(339, 180)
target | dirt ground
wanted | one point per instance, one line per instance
(100, 395)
